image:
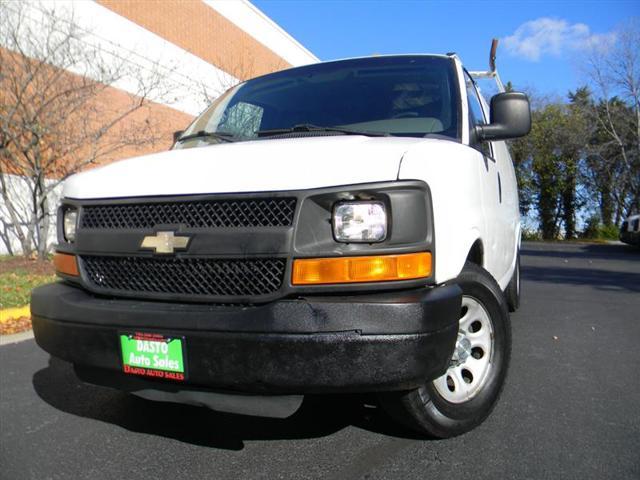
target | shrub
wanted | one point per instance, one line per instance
(595, 230)
(531, 234)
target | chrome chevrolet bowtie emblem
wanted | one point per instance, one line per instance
(165, 242)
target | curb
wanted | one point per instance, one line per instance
(17, 312)
(16, 337)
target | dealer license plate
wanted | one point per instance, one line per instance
(153, 355)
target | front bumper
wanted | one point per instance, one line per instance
(386, 341)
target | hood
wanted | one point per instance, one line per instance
(262, 165)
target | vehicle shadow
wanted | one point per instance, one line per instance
(319, 416)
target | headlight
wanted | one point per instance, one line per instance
(364, 222)
(70, 220)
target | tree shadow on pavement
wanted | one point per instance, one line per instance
(599, 279)
(583, 251)
(319, 415)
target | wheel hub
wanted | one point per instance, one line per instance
(462, 350)
(471, 359)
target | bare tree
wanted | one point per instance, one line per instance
(54, 120)
(244, 68)
(614, 73)
(241, 118)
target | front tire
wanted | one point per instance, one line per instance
(465, 395)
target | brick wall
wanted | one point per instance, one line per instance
(202, 31)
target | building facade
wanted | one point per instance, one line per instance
(173, 56)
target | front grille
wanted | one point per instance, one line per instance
(258, 212)
(185, 276)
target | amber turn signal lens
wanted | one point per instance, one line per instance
(382, 268)
(66, 264)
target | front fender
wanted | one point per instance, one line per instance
(452, 172)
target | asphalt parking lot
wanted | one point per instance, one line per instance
(570, 409)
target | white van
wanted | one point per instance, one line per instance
(630, 230)
(348, 226)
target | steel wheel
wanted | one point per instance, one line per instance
(465, 394)
(471, 360)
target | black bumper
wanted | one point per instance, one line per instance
(386, 341)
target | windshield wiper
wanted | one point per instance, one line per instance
(306, 127)
(226, 137)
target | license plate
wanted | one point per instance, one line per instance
(153, 355)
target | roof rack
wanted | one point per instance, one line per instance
(493, 71)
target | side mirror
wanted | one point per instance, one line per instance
(177, 134)
(510, 117)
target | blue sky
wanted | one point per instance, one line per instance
(542, 41)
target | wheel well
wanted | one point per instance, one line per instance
(476, 254)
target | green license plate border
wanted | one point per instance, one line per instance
(183, 345)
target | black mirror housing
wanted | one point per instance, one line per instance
(510, 117)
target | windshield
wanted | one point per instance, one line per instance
(399, 95)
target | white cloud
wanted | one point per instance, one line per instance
(553, 36)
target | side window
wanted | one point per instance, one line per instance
(476, 114)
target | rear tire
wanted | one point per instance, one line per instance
(512, 293)
(465, 395)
